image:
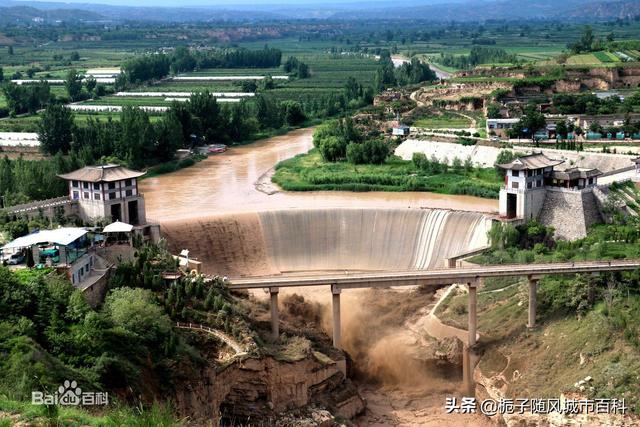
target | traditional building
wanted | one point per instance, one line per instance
(528, 178)
(107, 192)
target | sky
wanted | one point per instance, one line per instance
(231, 4)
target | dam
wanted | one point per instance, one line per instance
(337, 239)
(217, 210)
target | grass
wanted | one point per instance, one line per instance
(443, 122)
(114, 416)
(548, 360)
(309, 172)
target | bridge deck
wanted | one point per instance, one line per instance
(433, 277)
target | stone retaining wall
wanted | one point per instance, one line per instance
(570, 212)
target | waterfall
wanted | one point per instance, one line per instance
(330, 239)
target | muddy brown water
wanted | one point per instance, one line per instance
(225, 183)
(215, 209)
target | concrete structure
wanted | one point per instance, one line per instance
(528, 179)
(400, 130)
(471, 276)
(499, 127)
(109, 191)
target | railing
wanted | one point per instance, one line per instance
(39, 204)
(220, 335)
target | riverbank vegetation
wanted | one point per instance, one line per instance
(127, 347)
(588, 322)
(310, 172)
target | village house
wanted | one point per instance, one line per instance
(528, 178)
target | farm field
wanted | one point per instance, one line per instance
(443, 122)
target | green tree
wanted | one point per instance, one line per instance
(134, 310)
(332, 148)
(55, 129)
(531, 122)
(294, 114)
(73, 84)
(493, 111)
(169, 132)
(137, 141)
(561, 130)
(90, 84)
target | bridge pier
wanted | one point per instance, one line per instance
(533, 296)
(468, 384)
(472, 310)
(275, 315)
(335, 294)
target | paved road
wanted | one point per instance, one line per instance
(433, 277)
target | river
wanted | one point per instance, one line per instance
(226, 183)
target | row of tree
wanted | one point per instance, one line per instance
(184, 59)
(144, 68)
(412, 72)
(478, 55)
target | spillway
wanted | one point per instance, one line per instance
(306, 240)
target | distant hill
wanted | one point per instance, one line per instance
(475, 10)
(434, 10)
(18, 14)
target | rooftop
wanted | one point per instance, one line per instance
(59, 236)
(102, 173)
(575, 173)
(532, 161)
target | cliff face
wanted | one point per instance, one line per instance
(259, 389)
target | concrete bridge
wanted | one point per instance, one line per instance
(471, 276)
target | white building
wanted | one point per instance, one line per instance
(528, 177)
(108, 191)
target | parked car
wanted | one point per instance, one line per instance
(15, 259)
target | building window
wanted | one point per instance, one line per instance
(96, 196)
(129, 193)
(515, 185)
(74, 183)
(112, 195)
(76, 195)
(86, 268)
(96, 186)
(112, 186)
(539, 183)
(515, 173)
(529, 184)
(85, 195)
(85, 185)
(127, 182)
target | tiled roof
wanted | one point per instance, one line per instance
(103, 173)
(574, 173)
(532, 161)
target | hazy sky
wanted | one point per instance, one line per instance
(244, 3)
